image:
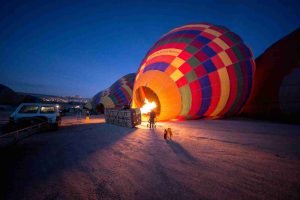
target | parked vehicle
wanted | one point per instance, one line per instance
(33, 113)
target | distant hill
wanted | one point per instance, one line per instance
(8, 96)
(276, 86)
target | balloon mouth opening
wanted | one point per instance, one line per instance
(147, 100)
(100, 108)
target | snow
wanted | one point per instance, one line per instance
(207, 159)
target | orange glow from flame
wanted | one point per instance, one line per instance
(148, 106)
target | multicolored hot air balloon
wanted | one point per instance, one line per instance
(117, 95)
(197, 70)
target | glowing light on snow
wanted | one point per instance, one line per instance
(148, 106)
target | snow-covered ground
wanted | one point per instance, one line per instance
(207, 159)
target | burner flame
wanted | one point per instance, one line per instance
(148, 106)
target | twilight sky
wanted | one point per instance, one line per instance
(82, 47)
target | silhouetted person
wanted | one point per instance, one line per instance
(152, 119)
(169, 133)
(166, 135)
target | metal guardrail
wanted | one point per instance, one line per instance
(20, 134)
(2, 122)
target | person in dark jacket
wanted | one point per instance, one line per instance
(152, 119)
(166, 134)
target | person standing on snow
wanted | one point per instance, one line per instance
(152, 118)
(166, 135)
(169, 133)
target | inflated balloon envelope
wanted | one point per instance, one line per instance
(196, 70)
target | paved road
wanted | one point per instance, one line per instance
(219, 159)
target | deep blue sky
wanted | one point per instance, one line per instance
(82, 47)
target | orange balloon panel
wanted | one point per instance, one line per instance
(169, 99)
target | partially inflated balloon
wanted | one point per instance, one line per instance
(117, 95)
(197, 70)
(276, 88)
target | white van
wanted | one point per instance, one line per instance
(37, 112)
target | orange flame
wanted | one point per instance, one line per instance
(148, 106)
